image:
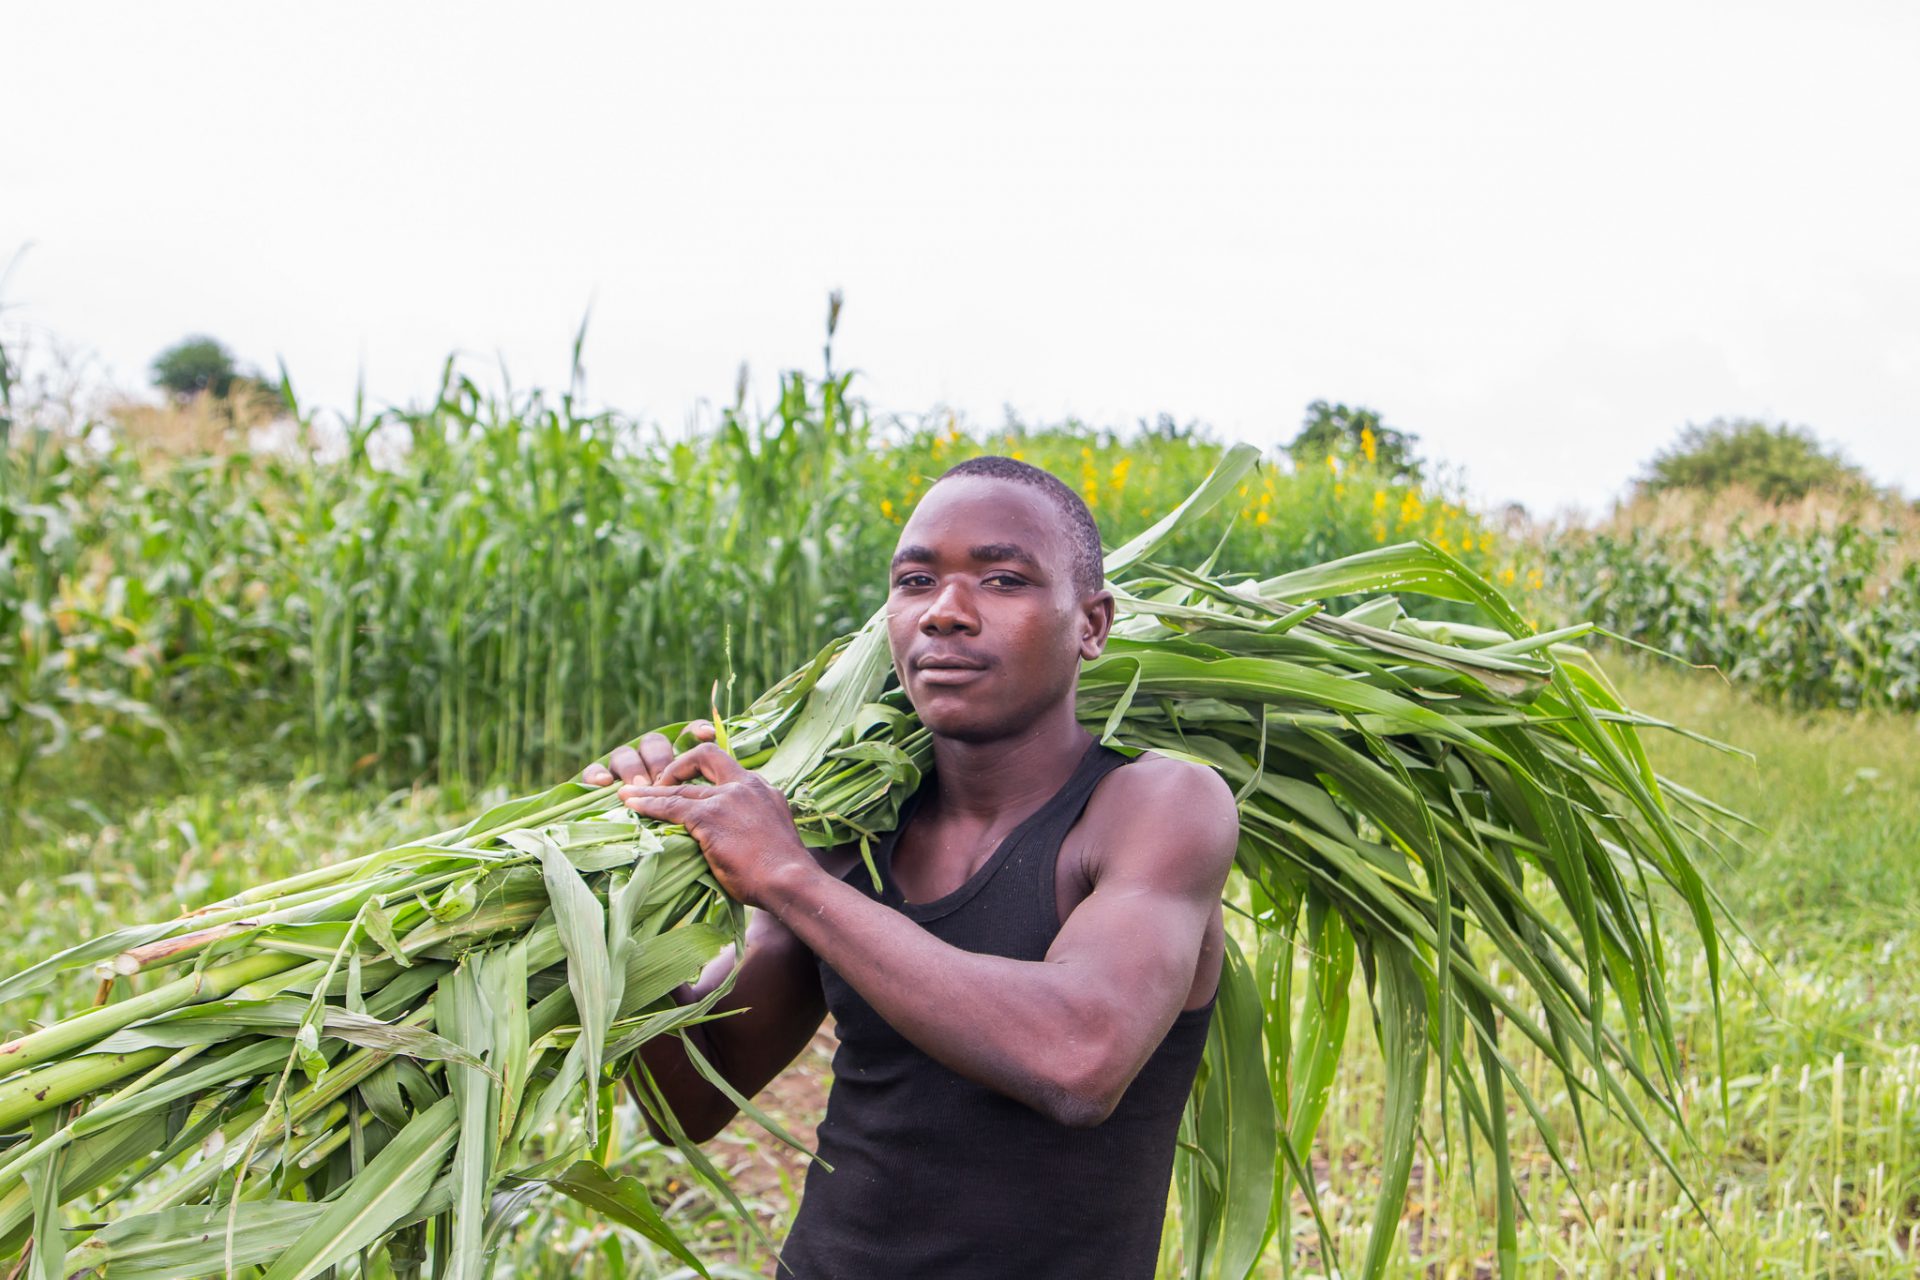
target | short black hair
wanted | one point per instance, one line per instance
(1089, 573)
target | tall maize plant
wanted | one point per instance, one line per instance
(395, 1051)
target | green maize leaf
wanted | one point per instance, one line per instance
(1323, 1021)
(583, 932)
(745, 1104)
(39, 976)
(189, 1241)
(226, 1020)
(87, 1164)
(49, 1261)
(626, 1202)
(395, 1182)
(379, 927)
(504, 989)
(466, 1016)
(1231, 1115)
(849, 684)
(1403, 1042)
(381, 1093)
(1225, 476)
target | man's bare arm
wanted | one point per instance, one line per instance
(777, 990)
(775, 1006)
(1064, 1035)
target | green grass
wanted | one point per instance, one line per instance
(1814, 1173)
(1815, 1170)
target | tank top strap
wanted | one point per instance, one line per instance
(1046, 836)
(1034, 845)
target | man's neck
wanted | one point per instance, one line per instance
(984, 779)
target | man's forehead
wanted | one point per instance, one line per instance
(966, 515)
(987, 498)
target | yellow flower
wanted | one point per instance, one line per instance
(1466, 542)
(1018, 455)
(1411, 508)
(1534, 580)
(1379, 531)
(1333, 464)
(1260, 517)
(1368, 445)
(1120, 470)
(1339, 491)
(1379, 500)
(886, 507)
(1506, 575)
(1243, 491)
(1092, 495)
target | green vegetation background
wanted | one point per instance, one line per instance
(221, 659)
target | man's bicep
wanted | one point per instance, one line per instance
(1156, 886)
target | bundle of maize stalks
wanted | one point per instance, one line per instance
(397, 1050)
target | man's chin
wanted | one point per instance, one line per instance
(953, 719)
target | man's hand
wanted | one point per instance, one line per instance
(741, 823)
(643, 766)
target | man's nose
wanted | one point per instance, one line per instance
(950, 609)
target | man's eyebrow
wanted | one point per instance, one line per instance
(915, 554)
(986, 551)
(1004, 551)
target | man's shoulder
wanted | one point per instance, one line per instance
(1182, 809)
(1151, 778)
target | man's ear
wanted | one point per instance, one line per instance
(1096, 623)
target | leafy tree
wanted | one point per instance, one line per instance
(1779, 463)
(193, 365)
(1336, 430)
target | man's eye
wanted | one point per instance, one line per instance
(911, 580)
(1005, 580)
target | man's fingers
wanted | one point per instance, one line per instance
(625, 764)
(660, 804)
(691, 792)
(704, 761)
(647, 762)
(656, 753)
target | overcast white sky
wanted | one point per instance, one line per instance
(1541, 236)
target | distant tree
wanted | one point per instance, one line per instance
(1780, 463)
(193, 365)
(1336, 430)
(1166, 427)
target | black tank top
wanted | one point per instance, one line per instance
(936, 1177)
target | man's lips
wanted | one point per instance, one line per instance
(948, 669)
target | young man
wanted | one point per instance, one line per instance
(1021, 1008)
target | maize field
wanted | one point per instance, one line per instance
(1515, 991)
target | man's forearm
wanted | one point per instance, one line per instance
(698, 1108)
(1023, 1028)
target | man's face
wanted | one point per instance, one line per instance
(986, 626)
